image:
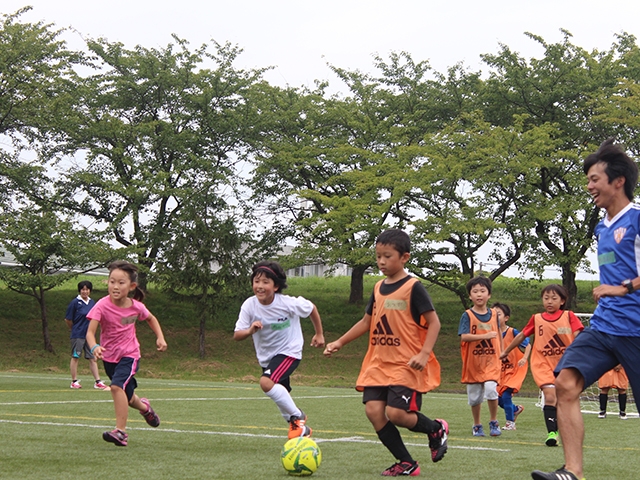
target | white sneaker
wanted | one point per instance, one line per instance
(623, 415)
(602, 415)
(509, 425)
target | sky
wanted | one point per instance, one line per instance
(300, 38)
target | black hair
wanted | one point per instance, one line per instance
(397, 238)
(479, 280)
(617, 164)
(131, 270)
(271, 270)
(85, 283)
(504, 307)
(559, 290)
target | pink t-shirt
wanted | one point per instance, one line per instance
(118, 328)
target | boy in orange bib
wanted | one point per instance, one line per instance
(399, 366)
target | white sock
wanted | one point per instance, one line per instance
(285, 403)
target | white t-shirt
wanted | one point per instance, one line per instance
(281, 332)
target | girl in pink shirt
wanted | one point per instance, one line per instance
(117, 314)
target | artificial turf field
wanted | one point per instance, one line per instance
(228, 430)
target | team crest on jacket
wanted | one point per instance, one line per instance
(618, 234)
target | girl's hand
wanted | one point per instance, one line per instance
(255, 326)
(161, 344)
(317, 341)
(98, 352)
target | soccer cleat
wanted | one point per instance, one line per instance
(100, 385)
(560, 474)
(298, 427)
(602, 414)
(75, 384)
(438, 441)
(478, 431)
(509, 425)
(116, 436)
(494, 428)
(150, 416)
(623, 415)
(518, 410)
(402, 469)
(552, 439)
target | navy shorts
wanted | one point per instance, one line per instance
(594, 353)
(280, 369)
(395, 396)
(122, 374)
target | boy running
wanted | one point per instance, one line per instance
(399, 366)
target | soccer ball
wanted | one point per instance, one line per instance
(301, 456)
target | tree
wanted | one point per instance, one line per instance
(562, 90)
(209, 260)
(48, 251)
(35, 67)
(339, 166)
(159, 131)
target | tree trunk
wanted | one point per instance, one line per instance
(569, 282)
(357, 284)
(45, 323)
(203, 321)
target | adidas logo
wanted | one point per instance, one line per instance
(386, 334)
(485, 347)
(555, 347)
(382, 327)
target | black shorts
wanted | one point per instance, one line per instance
(122, 374)
(280, 369)
(395, 396)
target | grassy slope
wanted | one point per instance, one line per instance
(21, 344)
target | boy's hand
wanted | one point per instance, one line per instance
(522, 362)
(419, 361)
(490, 335)
(504, 355)
(317, 341)
(332, 348)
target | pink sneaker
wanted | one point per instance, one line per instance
(100, 385)
(150, 416)
(75, 384)
(116, 436)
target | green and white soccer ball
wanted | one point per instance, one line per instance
(301, 456)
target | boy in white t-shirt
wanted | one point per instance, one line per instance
(273, 320)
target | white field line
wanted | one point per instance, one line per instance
(237, 434)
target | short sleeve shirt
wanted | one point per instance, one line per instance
(281, 332)
(77, 314)
(118, 328)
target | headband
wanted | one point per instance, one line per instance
(268, 270)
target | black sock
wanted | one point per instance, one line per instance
(390, 438)
(551, 418)
(622, 400)
(425, 425)
(604, 397)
